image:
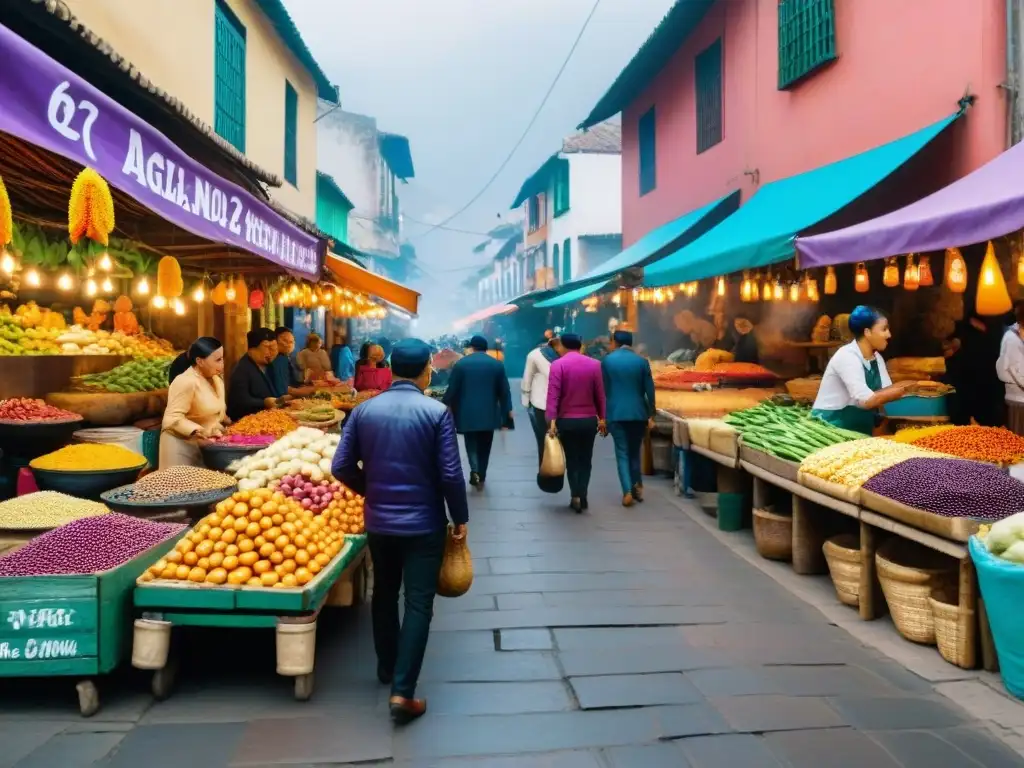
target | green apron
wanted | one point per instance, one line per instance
(853, 417)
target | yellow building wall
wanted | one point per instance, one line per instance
(172, 43)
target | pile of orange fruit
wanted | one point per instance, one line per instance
(259, 539)
(345, 512)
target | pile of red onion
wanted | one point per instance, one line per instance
(88, 545)
(260, 440)
(314, 496)
(28, 409)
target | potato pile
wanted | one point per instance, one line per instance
(256, 538)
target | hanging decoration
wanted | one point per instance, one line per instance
(90, 208)
(956, 271)
(812, 290)
(911, 275)
(992, 298)
(168, 278)
(124, 318)
(219, 295)
(777, 293)
(256, 298)
(831, 284)
(6, 218)
(924, 272)
(241, 290)
(720, 286)
(794, 292)
(891, 274)
(861, 282)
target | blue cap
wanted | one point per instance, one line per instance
(479, 343)
(409, 357)
(623, 338)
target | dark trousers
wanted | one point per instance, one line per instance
(629, 441)
(538, 418)
(478, 449)
(412, 562)
(578, 436)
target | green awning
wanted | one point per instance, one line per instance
(761, 232)
(575, 295)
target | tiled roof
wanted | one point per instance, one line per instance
(603, 138)
(289, 33)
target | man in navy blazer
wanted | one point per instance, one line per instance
(629, 389)
(479, 396)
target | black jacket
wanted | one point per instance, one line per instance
(248, 388)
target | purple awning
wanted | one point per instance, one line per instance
(985, 204)
(46, 104)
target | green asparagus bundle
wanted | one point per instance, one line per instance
(788, 432)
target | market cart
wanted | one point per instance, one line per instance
(292, 613)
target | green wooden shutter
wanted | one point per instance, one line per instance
(807, 38)
(556, 264)
(708, 75)
(291, 136)
(229, 77)
(647, 152)
(561, 187)
(567, 260)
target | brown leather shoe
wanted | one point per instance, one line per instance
(404, 711)
(627, 500)
(638, 492)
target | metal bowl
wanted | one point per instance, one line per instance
(85, 485)
(31, 439)
(218, 456)
(192, 507)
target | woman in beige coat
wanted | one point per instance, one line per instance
(196, 409)
(314, 360)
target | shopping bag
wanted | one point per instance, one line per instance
(456, 575)
(550, 484)
(553, 463)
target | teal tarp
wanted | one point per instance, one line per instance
(575, 295)
(762, 231)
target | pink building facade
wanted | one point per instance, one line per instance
(898, 65)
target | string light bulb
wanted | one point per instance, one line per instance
(142, 286)
(7, 263)
(107, 286)
(179, 307)
(720, 286)
(64, 282)
(90, 287)
(777, 291)
(924, 272)
(105, 263)
(32, 279)
(891, 274)
(230, 294)
(199, 295)
(159, 302)
(861, 282)
(794, 292)
(956, 271)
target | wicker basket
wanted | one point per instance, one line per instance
(773, 534)
(803, 389)
(910, 575)
(954, 648)
(842, 553)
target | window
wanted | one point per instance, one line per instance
(647, 153)
(229, 77)
(807, 38)
(708, 73)
(561, 187)
(567, 260)
(291, 137)
(556, 265)
(538, 212)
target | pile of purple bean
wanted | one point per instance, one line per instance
(951, 488)
(89, 545)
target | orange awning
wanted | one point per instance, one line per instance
(351, 275)
(483, 314)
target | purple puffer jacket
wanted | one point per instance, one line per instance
(411, 468)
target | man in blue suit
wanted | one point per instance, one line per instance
(479, 396)
(629, 389)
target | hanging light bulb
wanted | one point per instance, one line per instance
(32, 279)
(992, 298)
(159, 302)
(105, 263)
(7, 263)
(812, 290)
(199, 294)
(911, 275)
(107, 286)
(777, 293)
(794, 292)
(64, 282)
(861, 282)
(891, 275)
(179, 306)
(142, 287)
(924, 272)
(766, 291)
(831, 284)
(90, 287)
(720, 286)
(230, 294)
(956, 271)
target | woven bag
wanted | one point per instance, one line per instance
(456, 575)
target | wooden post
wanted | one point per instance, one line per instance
(808, 538)
(967, 623)
(869, 590)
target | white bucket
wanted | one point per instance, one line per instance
(151, 643)
(296, 648)
(126, 437)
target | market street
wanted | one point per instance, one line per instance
(616, 638)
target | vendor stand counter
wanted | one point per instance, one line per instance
(291, 612)
(78, 626)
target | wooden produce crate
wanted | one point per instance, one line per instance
(955, 528)
(53, 626)
(183, 604)
(787, 470)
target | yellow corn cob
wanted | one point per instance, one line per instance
(90, 208)
(856, 462)
(6, 220)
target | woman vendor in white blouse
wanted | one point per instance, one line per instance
(856, 383)
(196, 409)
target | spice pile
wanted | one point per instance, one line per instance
(174, 484)
(995, 445)
(44, 510)
(913, 434)
(711, 404)
(789, 432)
(244, 440)
(676, 378)
(951, 488)
(274, 423)
(89, 457)
(89, 545)
(743, 372)
(30, 410)
(854, 463)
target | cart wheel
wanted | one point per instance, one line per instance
(163, 680)
(88, 698)
(303, 687)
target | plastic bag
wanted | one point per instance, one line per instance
(550, 484)
(1001, 586)
(456, 575)
(553, 463)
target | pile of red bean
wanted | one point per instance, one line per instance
(89, 545)
(27, 409)
(951, 488)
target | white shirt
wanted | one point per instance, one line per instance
(1010, 366)
(845, 383)
(535, 379)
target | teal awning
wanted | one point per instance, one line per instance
(761, 232)
(575, 295)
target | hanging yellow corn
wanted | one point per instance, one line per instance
(6, 220)
(90, 209)
(168, 278)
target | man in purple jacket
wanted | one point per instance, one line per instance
(400, 451)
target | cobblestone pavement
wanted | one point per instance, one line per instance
(620, 637)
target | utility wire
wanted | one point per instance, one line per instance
(526, 131)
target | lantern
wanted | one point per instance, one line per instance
(891, 275)
(720, 286)
(766, 292)
(830, 281)
(794, 292)
(777, 291)
(956, 271)
(992, 299)
(219, 295)
(861, 282)
(812, 290)
(924, 272)
(911, 275)
(256, 299)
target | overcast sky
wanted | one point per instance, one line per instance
(461, 79)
